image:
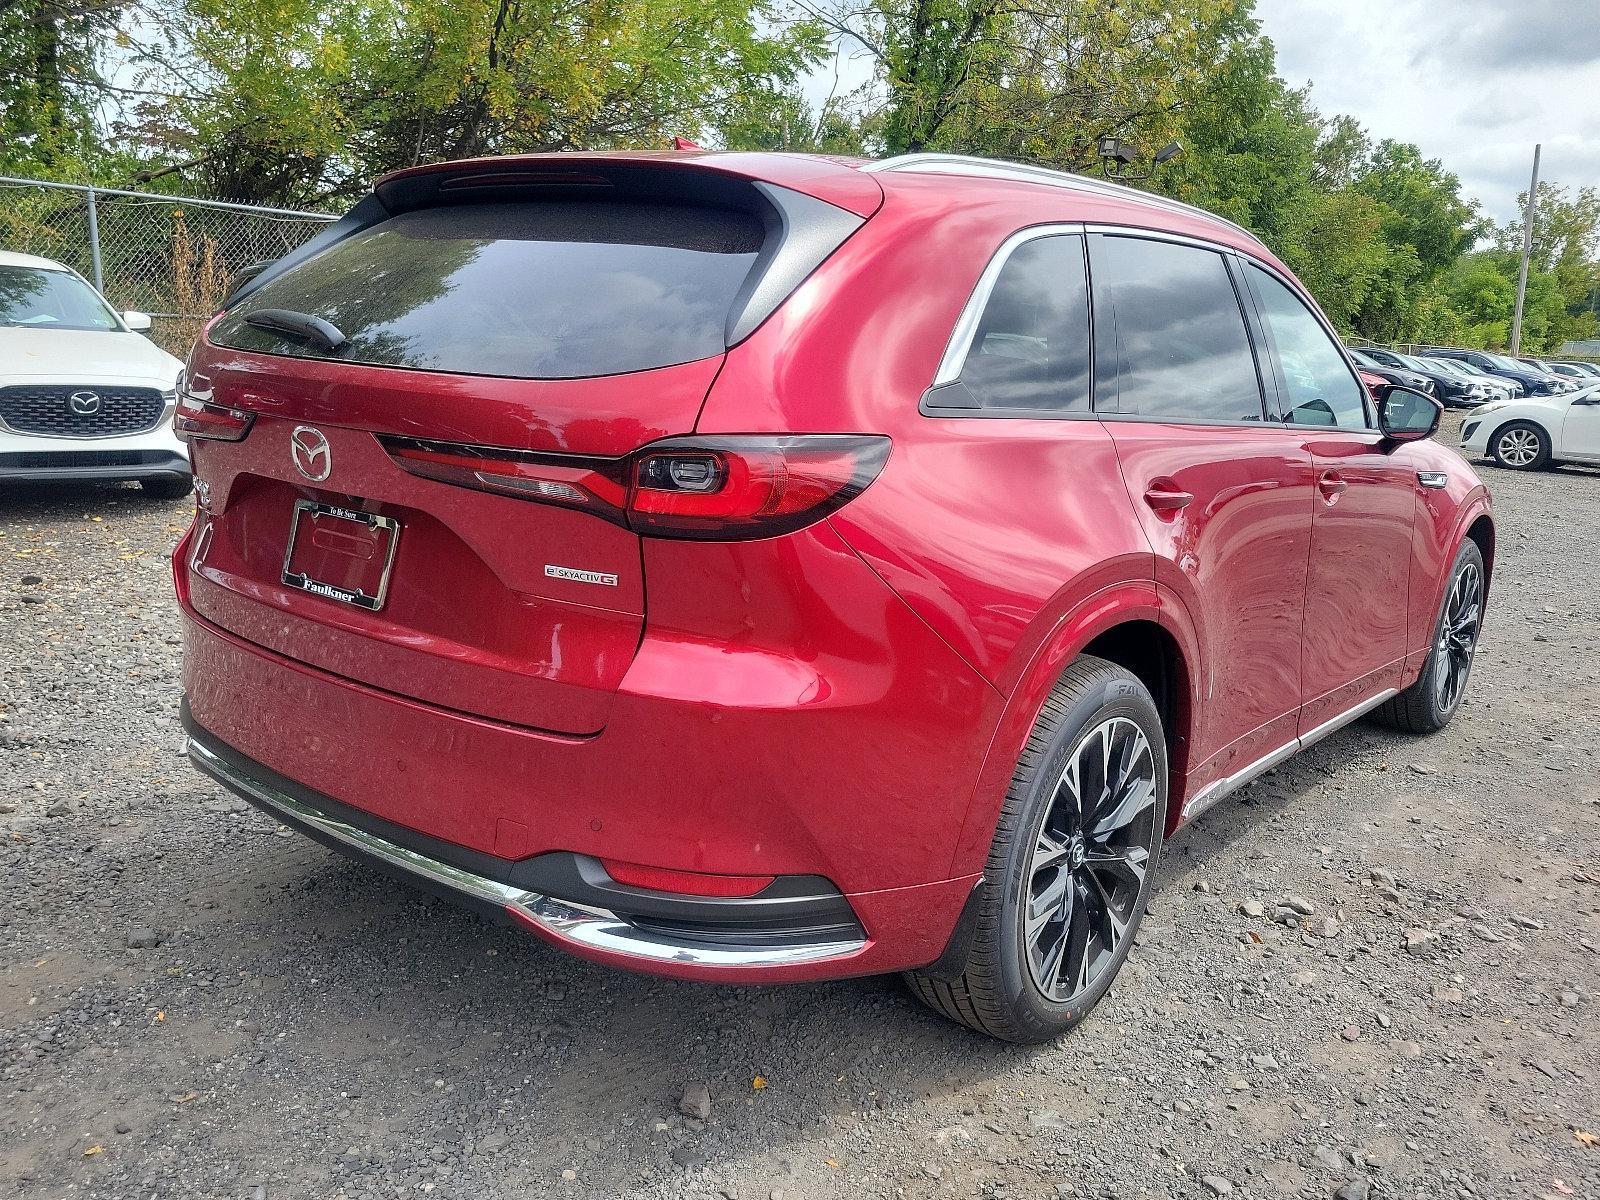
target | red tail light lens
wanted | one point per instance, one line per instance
(684, 883)
(563, 479)
(196, 417)
(711, 488)
(728, 488)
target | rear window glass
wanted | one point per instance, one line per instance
(548, 290)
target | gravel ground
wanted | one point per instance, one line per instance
(1372, 973)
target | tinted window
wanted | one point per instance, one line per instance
(550, 290)
(1321, 388)
(50, 300)
(1031, 349)
(1181, 349)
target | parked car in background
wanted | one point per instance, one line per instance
(1515, 388)
(83, 395)
(800, 597)
(1451, 389)
(1390, 374)
(1537, 432)
(1534, 381)
(1582, 372)
(1494, 387)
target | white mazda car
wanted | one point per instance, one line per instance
(83, 394)
(1528, 434)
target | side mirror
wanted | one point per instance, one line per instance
(137, 321)
(1407, 416)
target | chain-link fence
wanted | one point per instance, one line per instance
(165, 255)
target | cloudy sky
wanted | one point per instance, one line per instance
(1473, 82)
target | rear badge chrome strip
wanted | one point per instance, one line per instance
(562, 921)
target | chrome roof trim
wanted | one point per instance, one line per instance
(992, 168)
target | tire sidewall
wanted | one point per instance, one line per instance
(1121, 696)
(1467, 552)
(1539, 459)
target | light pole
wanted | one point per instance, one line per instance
(1527, 251)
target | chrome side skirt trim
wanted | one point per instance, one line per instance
(562, 921)
(1222, 788)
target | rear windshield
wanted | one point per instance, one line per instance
(547, 290)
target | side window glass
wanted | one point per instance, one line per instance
(1320, 388)
(1181, 347)
(1030, 352)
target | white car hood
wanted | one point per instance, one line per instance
(86, 355)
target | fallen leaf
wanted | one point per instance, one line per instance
(1584, 1138)
(759, 1082)
(162, 1015)
(93, 1150)
(831, 1163)
(186, 1099)
(1562, 1188)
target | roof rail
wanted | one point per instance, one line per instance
(993, 168)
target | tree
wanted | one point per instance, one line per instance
(302, 100)
(1037, 80)
(50, 60)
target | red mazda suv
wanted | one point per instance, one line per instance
(764, 567)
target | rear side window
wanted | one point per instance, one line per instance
(546, 290)
(1319, 388)
(1030, 352)
(1180, 349)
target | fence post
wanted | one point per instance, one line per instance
(94, 243)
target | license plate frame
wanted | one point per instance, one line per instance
(374, 524)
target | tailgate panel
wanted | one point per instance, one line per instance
(472, 621)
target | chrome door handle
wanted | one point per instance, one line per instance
(1332, 485)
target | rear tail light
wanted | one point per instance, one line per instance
(711, 488)
(196, 417)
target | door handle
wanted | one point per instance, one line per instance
(1165, 497)
(1332, 485)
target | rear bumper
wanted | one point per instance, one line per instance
(863, 792)
(807, 923)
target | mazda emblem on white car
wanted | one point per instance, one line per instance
(84, 404)
(309, 449)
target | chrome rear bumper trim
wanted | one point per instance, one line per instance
(563, 921)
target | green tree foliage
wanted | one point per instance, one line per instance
(301, 102)
(50, 60)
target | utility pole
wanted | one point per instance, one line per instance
(1527, 252)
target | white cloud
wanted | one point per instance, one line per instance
(1474, 83)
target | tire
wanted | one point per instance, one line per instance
(1097, 713)
(1521, 446)
(1428, 705)
(167, 487)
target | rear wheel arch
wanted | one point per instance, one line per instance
(1128, 625)
(1151, 652)
(1481, 530)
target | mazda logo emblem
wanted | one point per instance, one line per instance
(309, 449)
(85, 404)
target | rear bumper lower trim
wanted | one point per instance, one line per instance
(580, 927)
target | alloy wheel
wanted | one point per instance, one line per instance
(1090, 856)
(1519, 447)
(1458, 636)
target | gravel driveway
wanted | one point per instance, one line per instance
(1372, 973)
